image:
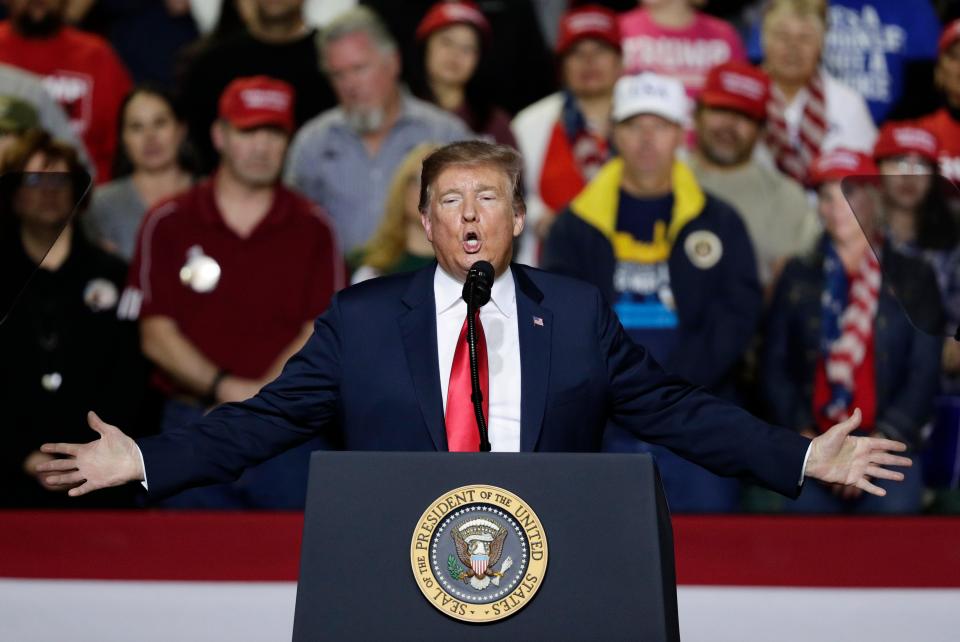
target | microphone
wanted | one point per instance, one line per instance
(476, 289)
(476, 292)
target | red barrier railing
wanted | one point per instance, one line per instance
(264, 546)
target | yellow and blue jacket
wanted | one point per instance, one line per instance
(718, 301)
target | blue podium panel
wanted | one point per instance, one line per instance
(609, 573)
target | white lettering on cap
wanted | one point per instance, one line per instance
(650, 93)
(648, 88)
(462, 12)
(590, 22)
(915, 138)
(265, 99)
(840, 159)
(742, 85)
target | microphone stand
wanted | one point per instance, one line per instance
(476, 394)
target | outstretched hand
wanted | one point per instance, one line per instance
(111, 460)
(838, 458)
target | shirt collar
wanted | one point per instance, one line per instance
(212, 215)
(448, 292)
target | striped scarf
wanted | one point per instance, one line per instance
(794, 157)
(847, 325)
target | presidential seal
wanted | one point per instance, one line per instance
(479, 553)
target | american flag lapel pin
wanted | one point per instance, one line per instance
(538, 321)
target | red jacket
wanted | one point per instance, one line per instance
(84, 75)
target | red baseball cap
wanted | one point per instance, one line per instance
(897, 139)
(588, 21)
(258, 101)
(840, 163)
(737, 86)
(951, 33)
(444, 14)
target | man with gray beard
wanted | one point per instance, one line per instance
(729, 119)
(345, 158)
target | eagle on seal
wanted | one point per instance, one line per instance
(479, 544)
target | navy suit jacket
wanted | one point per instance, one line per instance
(369, 377)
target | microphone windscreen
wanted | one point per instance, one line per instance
(484, 271)
(477, 289)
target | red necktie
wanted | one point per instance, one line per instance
(462, 432)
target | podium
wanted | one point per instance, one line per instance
(374, 522)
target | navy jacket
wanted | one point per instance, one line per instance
(907, 361)
(718, 309)
(370, 375)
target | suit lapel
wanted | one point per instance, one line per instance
(418, 327)
(535, 325)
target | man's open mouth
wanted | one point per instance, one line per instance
(471, 243)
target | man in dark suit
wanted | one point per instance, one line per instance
(386, 368)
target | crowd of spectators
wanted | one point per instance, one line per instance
(761, 189)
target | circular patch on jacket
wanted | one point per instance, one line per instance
(703, 248)
(479, 553)
(100, 295)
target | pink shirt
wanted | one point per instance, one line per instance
(686, 54)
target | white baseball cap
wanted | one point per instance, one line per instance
(650, 93)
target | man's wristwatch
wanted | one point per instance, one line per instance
(211, 397)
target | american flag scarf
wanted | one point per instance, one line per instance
(846, 328)
(793, 157)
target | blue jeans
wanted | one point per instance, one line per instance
(280, 483)
(689, 488)
(902, 498)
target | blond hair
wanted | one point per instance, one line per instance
(472, 153)
(389, 242)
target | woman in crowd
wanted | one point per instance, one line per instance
(451, 38)
(838, 340)
(399, 244)
(916, 215)
(919, 222)
(150, 167)
(64, 349)
(810, 112)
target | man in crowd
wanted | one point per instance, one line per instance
(883, 49)
(226, 280)
(675, 262)
(16, 83)
(810, 112)
(16, 117)
(278, 44)
(945, 122)
(79, 70)
(378, 384)
(345, 158)
(729, 120)
(564, 137)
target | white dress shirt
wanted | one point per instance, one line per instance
(499, 320)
